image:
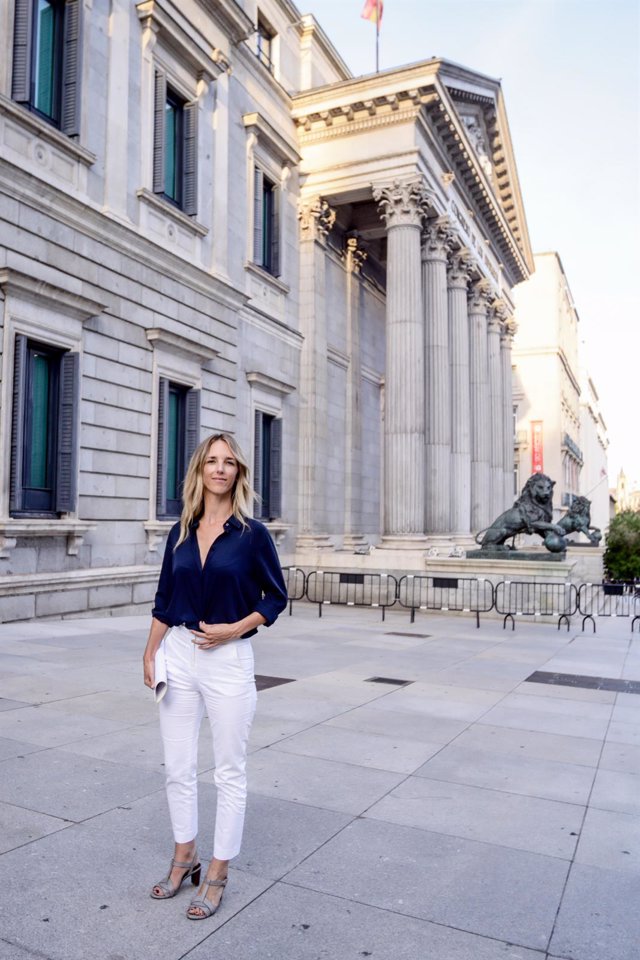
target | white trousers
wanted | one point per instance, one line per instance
(221, 681)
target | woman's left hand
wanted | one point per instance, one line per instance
(214, 634)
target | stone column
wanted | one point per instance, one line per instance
(435, 247)
(458, 282)
(353, 432)
(496, 404)
(506, 340)
(316, 219)
(401, 206)
(480, 408)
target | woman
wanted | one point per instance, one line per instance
(220, 581)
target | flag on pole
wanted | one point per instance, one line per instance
(372, 11)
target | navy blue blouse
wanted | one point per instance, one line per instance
(241, 575)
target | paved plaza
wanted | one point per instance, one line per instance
(470, 814)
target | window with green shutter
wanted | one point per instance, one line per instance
(266, 223)
(267, 465)
(175, 146)
(44, 430)
(47, 47)
(178, 436)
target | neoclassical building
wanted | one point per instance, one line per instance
(207, 223)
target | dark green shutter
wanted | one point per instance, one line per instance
(71, 67)
(192, 424)
(68, 416)
(275, 471)
(190, 202)
(22, 34)
(163, 444)
(159, 106)
(17, 423)
(258, 202)
(257, 460)
(275, 232)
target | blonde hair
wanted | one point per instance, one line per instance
(193, 489)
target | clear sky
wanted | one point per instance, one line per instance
(571, 78)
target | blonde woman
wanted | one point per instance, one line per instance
(220, 581)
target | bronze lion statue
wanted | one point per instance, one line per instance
(531, 513)
(578, 520)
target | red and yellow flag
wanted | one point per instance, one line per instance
(372, 11)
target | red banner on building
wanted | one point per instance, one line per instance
(537, 457)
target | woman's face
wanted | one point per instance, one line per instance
(220, 469)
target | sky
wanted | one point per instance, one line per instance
(571, 80)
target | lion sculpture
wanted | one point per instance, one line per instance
(578, 520)
(531, 513)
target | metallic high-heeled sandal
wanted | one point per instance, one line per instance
(169, 890)
(208, 908)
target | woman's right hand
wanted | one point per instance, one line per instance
(149, 671)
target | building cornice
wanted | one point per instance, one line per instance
(272, 139)
(192, 349)
(178, 33)
(231, 17)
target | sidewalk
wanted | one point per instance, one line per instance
(468, 815)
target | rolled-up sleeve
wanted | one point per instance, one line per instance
(270, 579)
(164, 593)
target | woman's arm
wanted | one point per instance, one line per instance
(156, 633)
(215, 634)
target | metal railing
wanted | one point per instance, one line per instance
(516, 598)
(376, 590)
(296, 583)
(609, 600)
(459, 594)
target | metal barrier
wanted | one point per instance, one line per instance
(609, 600)
(515, 598)
(461, 594)
(351, 589)
(296, 583)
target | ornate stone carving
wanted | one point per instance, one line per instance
(480, 295)
(460, 264)
(316, 219)
(437, 238)
(402, 203)
(356, 256)
(497, 315)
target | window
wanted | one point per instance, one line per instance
(47, 60)
(178, 436)
(175, 146)
(264, 44)
(267, 468)
(266, 223)
(43, 429)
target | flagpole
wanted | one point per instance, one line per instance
(377, 36)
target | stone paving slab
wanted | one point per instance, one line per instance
(438, 820)
(290, 922)
(491, 816)
(509, 895)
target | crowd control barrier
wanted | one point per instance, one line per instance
(515, 598)
(460, 594)
(609, 600)
(351, 589)
(296, 583)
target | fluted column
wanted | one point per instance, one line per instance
(401, 206)
(480, 407)
(496, 404)
(353, 432)
(506, 340)
(458, 282)
(436, 240)
(316, 219)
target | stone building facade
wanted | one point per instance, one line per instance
(206, 223)
(558, 425)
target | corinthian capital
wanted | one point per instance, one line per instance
(437, 238)
(403, 203)
(497, 315)
(460, 264)
(356, 256)
(316, 219)
(480, 295)
(508, 330)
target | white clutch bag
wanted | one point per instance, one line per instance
(160, 674)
